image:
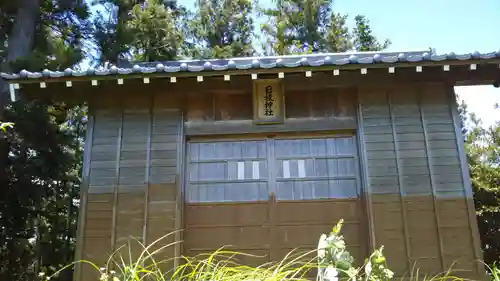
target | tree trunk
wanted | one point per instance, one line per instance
(19, 45)
(20, 40)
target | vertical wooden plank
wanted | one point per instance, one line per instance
(185, 175)
(364, 172)
(83, 195)
(163, 181)
(400, 178)
(146, 177)
(116, 183)
(273, 231)
(365, 221)
(274, 253)
(179, 182)
(270, 153)
(466, 181)
(433, 185)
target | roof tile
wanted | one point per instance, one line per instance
(313, 60)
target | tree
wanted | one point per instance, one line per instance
(363, 38)
(312, 26)
(138, 30)
(221, 29)
(293, 24)
(110, 35)
(38, 212)
(39, 159)
(156, 31)
(483, 155)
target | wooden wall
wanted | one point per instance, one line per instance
(227, 109)
(132, 174)
(420, 202)
(416, 189)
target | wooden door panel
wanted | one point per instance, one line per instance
(234, 237)
(226, 199)
(233, 198)
(226, 214)
(303, 234)
(316, 185)
(319, 211)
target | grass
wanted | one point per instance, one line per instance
(331, 259)
(220, 265)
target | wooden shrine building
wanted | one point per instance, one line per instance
(267, 153)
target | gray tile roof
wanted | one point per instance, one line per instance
(248, 63)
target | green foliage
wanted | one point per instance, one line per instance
(5, 125)
(364, 40)
(40, 160)
(494, 272)
(110, 35)
(218, 265)
(483, 155)
(334, 261)
(221, 29)
(59, 39)
(309, 26)
(295, 24)
(159, 30)
(37, 203)
(139, 30)
(155, 32)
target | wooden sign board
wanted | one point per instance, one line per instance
(268, 101)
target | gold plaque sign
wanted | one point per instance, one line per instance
(268, 101)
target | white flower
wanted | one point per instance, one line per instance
(322, 244)
(102, 269)
(340, 244)
(338, 255)
(331, 273)
(104, 276)
(368, 268)
(388, 273)
(331, 239)
(41, 274)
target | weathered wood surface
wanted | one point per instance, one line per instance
(418, 199)
(269, 196)
(133, 180)
(410, 194)
(230, 112)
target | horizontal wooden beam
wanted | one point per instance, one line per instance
(457, 75)
(200, 128)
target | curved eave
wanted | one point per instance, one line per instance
(257, 66)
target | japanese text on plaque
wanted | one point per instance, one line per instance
(268, 101)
